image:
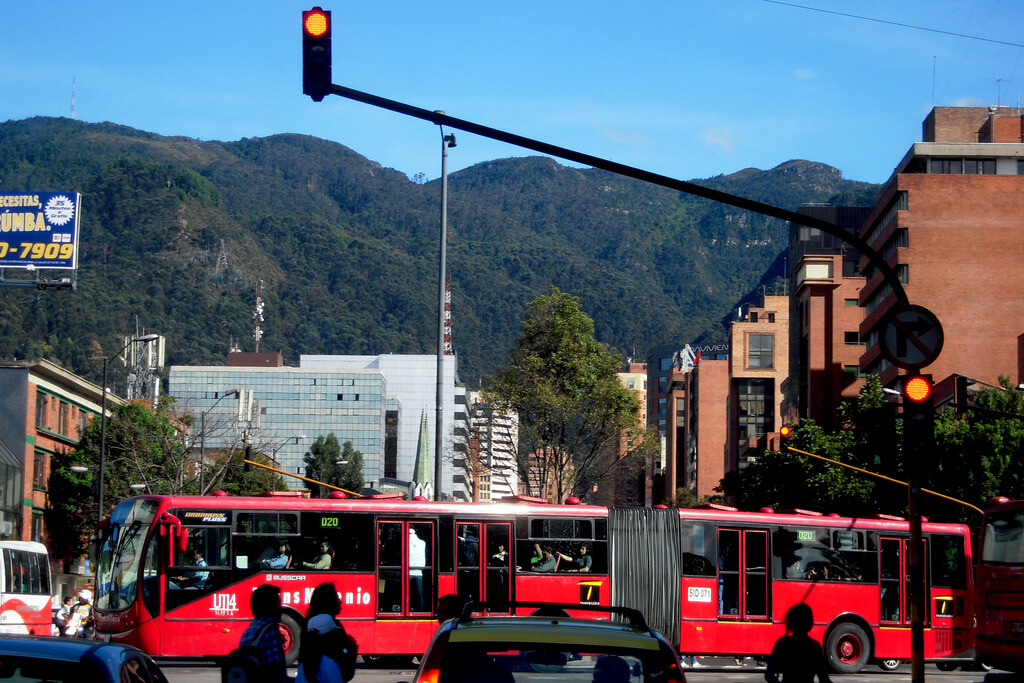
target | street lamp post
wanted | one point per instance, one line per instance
(202, 437)
(446, 142)
(103, 430)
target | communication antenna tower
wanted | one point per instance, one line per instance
(257, 316)
(72, 98)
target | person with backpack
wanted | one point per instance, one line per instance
(260, 653)
(327, 653)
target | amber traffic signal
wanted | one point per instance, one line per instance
(918, 412)
(316, 53)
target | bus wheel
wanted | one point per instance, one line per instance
(291, 635)
(847, 648)
(945, 666)
(889, 664)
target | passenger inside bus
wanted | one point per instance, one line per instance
(323, 558)
(280, 558)
(192, 579)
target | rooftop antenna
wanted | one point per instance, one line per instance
(72, 98)
(257, 315)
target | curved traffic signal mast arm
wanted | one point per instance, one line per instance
(442, 119)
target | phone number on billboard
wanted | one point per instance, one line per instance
(44, 251)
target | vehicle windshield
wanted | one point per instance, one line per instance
(122, 552)
(1004, 537)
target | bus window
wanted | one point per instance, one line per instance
(202, 568)
(265, 540)
(348, 535)
(698, 545)
(949, 563)
(555, 527)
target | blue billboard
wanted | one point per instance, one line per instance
(39, 230)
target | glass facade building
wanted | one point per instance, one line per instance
(281, 410)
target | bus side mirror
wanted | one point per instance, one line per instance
(178, 533)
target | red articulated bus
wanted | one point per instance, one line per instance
(718, 581)
(1000, 586)
(714, 581)
(389, 558)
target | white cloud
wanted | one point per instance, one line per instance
(721, 138)
(967, 102)
(805, 74)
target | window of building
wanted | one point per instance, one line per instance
(850, 302)
(903, 273)
(755, 411)
(946, 166)
(759, 350)
(1020, 166)
(851, 371)
(41, 410)
(39, 470)
(771, 317)
(630, 383)
(661, 406)
(665, 364)
(63, 411)
(851, 338)
(980, 166)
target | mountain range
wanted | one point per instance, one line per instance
(176, 234)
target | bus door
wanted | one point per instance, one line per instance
(405, 568)
(484, 562)
(894, 595)
(743, 574)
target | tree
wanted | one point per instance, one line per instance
(573, 410)
(979, 452)
(769, 480)
(340, 466)
(145, 447)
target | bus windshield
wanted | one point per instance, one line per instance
(122, 553)
(1002, 538)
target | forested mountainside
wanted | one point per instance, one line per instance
(176, 233)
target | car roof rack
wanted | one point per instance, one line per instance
(560, 610)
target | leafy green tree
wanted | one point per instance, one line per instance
(979, 452)
(232, 477)
(331, 463)
(789, 480)
(145, 447)
(572, 408)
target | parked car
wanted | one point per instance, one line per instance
(44, 658)
(548, 646)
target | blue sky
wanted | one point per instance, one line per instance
(689, 89)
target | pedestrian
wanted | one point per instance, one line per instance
(63, 614)
(264, 635)
(327, 653)
(450, 606)
(796, 656)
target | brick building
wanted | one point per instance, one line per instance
(825, 343)
(44, 407)
(950, 222)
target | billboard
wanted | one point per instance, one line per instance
(39, 230)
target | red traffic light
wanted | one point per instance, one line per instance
(786, 431)
(315, 22)
(917, 389)
(316, 53)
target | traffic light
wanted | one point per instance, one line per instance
(785, 432)
(918, 412)
(316, 53)
(246, 467)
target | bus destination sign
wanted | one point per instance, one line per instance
(39, 230)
